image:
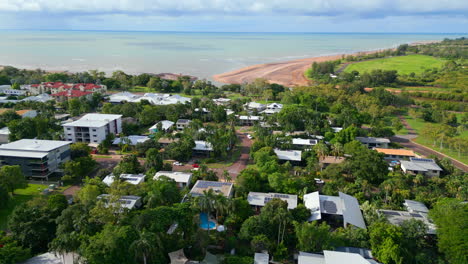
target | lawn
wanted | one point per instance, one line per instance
(419, 124)
(21, 196)
(233, 157)
(419, 88)
(402, 64)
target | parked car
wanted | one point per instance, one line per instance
(176, 163)
(318, 181)
(195, 165)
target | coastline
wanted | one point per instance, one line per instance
(287, 73)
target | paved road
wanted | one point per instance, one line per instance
(407, 142)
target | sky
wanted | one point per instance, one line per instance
(412, 16)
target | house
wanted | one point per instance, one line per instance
(54, 258)
(181, 178)
(202, 148)
(414, 210)
(122, 97)
(261, 258)
(4, 135)
(333, 257)
(258, 199)
(253, 106)
(345, 206)
(42, 98)
(166, 141)
(6, 89)
(293, 156)
(165, 125)
(222, 101)
(249, 120)
(62, 117)
(93, 128)
(37, 158)
(224, 188)
(134, 179)
(58, 87)
(70, 94)
(272, 108)
(373, 142)
(396, 154)
(23, 113)
(304, 144)
(131, 140)
(152, 98)
(328, 160)
(126, 201)
(426, 167)
(181, 124)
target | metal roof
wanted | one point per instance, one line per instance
(351, 212)
(309, 258)
(304, 142)
(134, 139)
(130, 178)
(367, 140)
(177, 176)
(34, 145)
(336, 257)
(93, 120)
(292, 155)
(419, 165)
(415, 206)
(202, 146)
(224, 188)
(261, 258)
(261, 199)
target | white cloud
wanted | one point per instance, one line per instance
(241, 7)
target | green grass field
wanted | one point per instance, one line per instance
(419, 89)
(402, 64)
(21, 196)
(419, 124)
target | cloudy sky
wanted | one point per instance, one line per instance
(444, 16)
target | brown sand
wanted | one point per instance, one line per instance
(289, 73)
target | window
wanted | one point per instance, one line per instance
(94, 130)
(94, 135)
(69, 134)
(68, 128)
(95, 140)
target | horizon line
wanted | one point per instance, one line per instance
(239, 32)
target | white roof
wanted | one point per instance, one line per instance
(165, 125)
(304, 142)
(309, 258)
(130, 178)
(134, 139)
(255, 105)
(261, 258)
(260, 199)
(344, 205)
(93, 120)
(336, 257)
(274, 106)
(398, 217)
(46, 258)
(292, 155)
(39, 98)
(4, 131)
(254, 118)
(126, 201)
(337, 129)
(122, 96)
(177, 176)
(31, 147)
(202, 146)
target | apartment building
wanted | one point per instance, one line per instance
(92, 128)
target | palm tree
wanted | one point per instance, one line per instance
(227, 176)
(220, 205)
(337, 149)
(146, 245)
(321, 150)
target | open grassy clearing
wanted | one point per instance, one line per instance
(21, 196)
(402, 64)
(419, 89)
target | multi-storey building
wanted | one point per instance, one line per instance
(93, 128)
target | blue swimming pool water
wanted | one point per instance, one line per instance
(205, 223)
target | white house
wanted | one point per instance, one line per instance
(415, 210)
(333, 257)
(342, 205)
(132, 140)
(37, 158)
(4, 135)
(272, 108)
(302, 143)
(249, 120)
(202, 147)
(426, 167)
(224, 188)
(259, 199)
(181, 124)
(255, 106)
(181, 178)
(93, 128)
(293, 156)
(134, 179)
(166, 125)
(126, 201)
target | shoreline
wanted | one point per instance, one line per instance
(288, 73)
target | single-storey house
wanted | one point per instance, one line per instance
(224, 188)
(181, 178)
(396, 154)
(132, 140)
(373, 142)
(181, 124)
(293, 156)
(259, 200)
(130, 178)
(304, 144)
(249, 120)
(426, 167)
(166, 126)
(202, 148)
(126, 201)
(415, 210)
(333, 257)
(328, 160)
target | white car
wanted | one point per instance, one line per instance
(318, 181)
(249, 136)
(176, 163)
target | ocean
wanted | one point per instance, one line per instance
(194, 53)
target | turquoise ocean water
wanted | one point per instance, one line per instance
(198, 54)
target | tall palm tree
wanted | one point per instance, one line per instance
(146, 245)
(220, 205)
(337, 149)
(321, 150)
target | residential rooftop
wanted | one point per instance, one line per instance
(93, 120)
(34, 145)
(289, 155)
(396, 152)
(224, 188)
(418, 164)
(372, 140)
(134, 179)
(261, 199)
(133, 140)
(177, 176)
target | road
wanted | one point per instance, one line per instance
(407, 142)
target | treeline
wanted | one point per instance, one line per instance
(440, 96)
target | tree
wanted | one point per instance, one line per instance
(146, 245)
(10, 251)
(11, 178)
(4, 197)
(128, 165)
(153, 160)
(385, 240)
(78, 168)
(314, 237)
(366, 164)
(260, 243)
(451, 216)
(321, 150)
(162, 191)
(79, 150)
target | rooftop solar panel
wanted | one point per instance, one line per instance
(415, 215)
(391, 213)
(330, 207)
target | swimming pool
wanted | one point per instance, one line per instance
(205, 223)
